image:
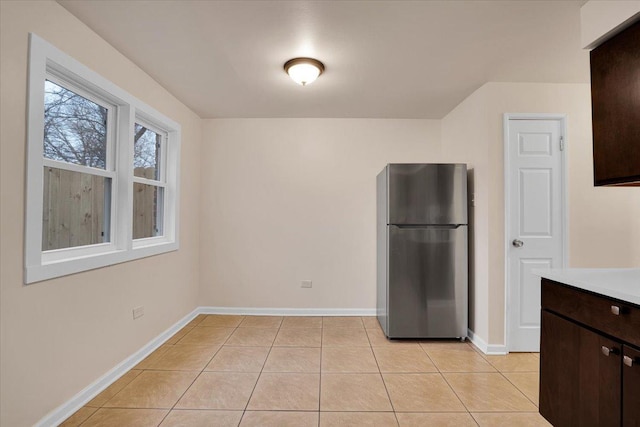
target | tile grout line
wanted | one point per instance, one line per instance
(189, 328)
(474, 419)
(395, 415)
(158, 370)
(320, 378)
(446, 381)
(244, 411)
(456, 394)
(108, 400)
(322, 347)
(430, 359)
(518, 388)
(200, 373)
(510, 382)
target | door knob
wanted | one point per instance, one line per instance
(606, 350)
(628, 361)
(517, 243)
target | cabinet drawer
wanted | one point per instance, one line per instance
(593, 310)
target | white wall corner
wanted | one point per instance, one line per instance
(601, 20)
(490, 349)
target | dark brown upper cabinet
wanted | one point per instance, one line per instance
(615, 101)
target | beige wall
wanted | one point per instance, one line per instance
(59, 336)
(600, 20)
(284, 200)
(604, 229)
(463, 140)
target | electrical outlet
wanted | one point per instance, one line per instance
(305, 284)
(138, 312)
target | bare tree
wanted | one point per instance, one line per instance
(146, 149)
(75, 131)
(75, 128)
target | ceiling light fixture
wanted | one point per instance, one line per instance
(303, 70)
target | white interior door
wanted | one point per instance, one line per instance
(535, 212)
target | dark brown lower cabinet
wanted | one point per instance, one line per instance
(589, 358)
(582, 381)
(630, 387)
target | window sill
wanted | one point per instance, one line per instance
(64, 267)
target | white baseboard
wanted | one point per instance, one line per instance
(68, 408)
(289, 311)
(490, 349)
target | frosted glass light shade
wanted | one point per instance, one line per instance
(303, 70)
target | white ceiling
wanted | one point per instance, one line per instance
(384, 59)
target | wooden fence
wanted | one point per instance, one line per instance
(145, 199)
(74, 209)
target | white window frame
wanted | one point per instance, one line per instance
(107, 172)
(46, 61)
(161, 182)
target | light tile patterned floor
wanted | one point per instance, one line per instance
(313, 371)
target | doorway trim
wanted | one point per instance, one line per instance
(507, 199)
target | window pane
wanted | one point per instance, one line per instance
(147, 210)
(146, 155)
(75, 128)
(75, 210)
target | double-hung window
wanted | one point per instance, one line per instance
(78, 169)
(102, 171)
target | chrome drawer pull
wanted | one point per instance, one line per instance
(606, 350)
(628, 361)
(615, 310)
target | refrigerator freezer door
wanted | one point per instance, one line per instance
(427, 294)
(427, 194)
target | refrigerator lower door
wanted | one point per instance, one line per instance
(428, 276)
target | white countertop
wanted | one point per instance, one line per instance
(619, 283)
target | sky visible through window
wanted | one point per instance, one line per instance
(146, 146)
(75, 128)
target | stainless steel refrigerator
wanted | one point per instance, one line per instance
(422, 250)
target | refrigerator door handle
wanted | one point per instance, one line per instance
(442, 227)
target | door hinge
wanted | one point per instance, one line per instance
(561, 143)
